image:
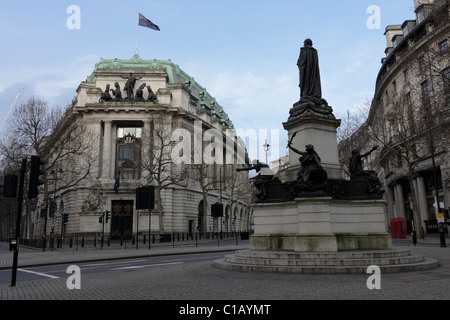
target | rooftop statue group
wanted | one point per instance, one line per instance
(129, 89)
(311, 179)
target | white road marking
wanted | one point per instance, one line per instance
(39, 274)
(149, 265)
(109, 263)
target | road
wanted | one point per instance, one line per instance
(88, 269)
(191, 277)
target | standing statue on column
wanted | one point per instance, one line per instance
(308, 65)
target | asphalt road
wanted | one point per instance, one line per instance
(89, 269)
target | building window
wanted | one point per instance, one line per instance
(406, 75)
(135, 132)
(422, 63)
(446, 79)
(444, 45)
(425, 92)
(420, 15)
(128, 158)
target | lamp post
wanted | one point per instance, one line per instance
(53, 206)
(266, 148)
(438, 206)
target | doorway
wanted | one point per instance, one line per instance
(121, 219)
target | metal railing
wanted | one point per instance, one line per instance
(95, 240)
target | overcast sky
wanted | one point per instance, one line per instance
(244, 52)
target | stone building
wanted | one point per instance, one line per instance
(147, 123)
(409, 118)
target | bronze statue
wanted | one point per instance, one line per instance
(151, 95)
(140, 92)
(265, 176)
(117, 93)
(129, 85)
(310, 85)
(373, 184)
(311, 173)
(105, 96)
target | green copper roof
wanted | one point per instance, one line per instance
(205, 102)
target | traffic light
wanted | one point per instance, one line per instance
(100, 219)
(108, 216)
(35, 172)
(65, 218)
(34, 202)
(53, 207)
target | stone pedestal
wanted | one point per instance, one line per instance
(316, 125)
(320, 224)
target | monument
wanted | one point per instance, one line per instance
(318, 221)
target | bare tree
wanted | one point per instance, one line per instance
(206, 177)
(237, 187)
(350, 134)
(36, 129)
(158, 160)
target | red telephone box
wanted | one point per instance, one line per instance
(398, 228)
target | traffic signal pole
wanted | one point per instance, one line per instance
(18, 220)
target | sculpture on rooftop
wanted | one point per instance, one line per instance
(140, 92)
(117, 93)
(129, 85)
(151, 95)
(105, 96)
(310, 85)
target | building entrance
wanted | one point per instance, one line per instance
(121, 219)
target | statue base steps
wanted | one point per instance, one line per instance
(322, 235)
(352, 262)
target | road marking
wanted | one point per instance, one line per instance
(109, 263)
(39, 274)
(149, 265)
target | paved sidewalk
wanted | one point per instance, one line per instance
(31, 257)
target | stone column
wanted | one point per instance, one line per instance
(399, 201)
(422, 198)
(107, 147)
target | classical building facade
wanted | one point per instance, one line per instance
(145, 123)
(409, 118)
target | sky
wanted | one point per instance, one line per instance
(244, 52)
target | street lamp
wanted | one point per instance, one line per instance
(438, 206)
(266, 148)
(55, 175)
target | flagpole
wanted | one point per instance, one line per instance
(137, 29)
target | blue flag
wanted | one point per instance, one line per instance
(144, 22)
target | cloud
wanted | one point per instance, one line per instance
(255, 102)
(52, 83)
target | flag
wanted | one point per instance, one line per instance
(117, 184)
(144, 22)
